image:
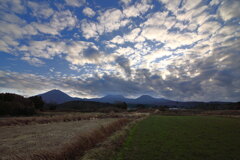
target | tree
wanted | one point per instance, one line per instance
(13, 104)
(122, 105)
(38, 102)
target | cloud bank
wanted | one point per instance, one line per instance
(181, 50)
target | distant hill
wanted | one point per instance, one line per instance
(110, 99)
(146, 99)
(56, 96)
(59, 97)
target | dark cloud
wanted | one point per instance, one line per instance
(124, 64)
(91, 53)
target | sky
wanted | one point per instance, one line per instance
(185, 50)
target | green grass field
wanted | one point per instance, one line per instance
(183, 138)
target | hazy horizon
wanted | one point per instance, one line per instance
(181, 50)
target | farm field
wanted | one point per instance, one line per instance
(183, 138)
(21, 140)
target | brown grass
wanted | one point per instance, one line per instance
(25, 140)
(79, 144)
(63, 118)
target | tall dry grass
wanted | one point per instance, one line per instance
(79, 144)
(62, 118)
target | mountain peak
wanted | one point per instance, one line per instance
(55, 91)
(145, 97)
(55, 96)
(114, 96)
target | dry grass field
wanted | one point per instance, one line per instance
(28, 139)
(52, 117)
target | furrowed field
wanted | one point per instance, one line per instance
(183, 138)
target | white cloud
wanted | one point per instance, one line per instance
(15, 6)
(118, 40)
(112, 19)
(33, 61)
(75, 52)
(171, 5)
(137, 9)
(43, 49)
(4, 46)
(229, 9)
(80, 53)
(59, 21)
(155, 33)
(12, 18)
(108, 21)
(63, 19)
(47, 29)
(89, 29)
(214, 2)
(88, 12)
(209, 27)
(41, 10)
(131, 37)
(189, 4)
(125, 2)
(75, 3)
(11, 33)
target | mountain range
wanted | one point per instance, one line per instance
(57, 96)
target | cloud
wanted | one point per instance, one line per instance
(59, 21)
(33, 61)
(41, 10)
(75, 3)
(125, 2)
(88, 12)
(13, 28)
(63, 19)
(132, 36)
(108, 21)
(118, 40)
(137, 9)
(112, 19)
(32, 84)
(124, 64)
(91, 52)
(43, 49)
(89, 29)
(209, 27)
(229, 9)
(184, 51)
(12, 5)
(46, 29)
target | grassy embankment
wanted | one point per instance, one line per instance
(183, 138)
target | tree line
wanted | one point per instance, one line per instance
(14, 105)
